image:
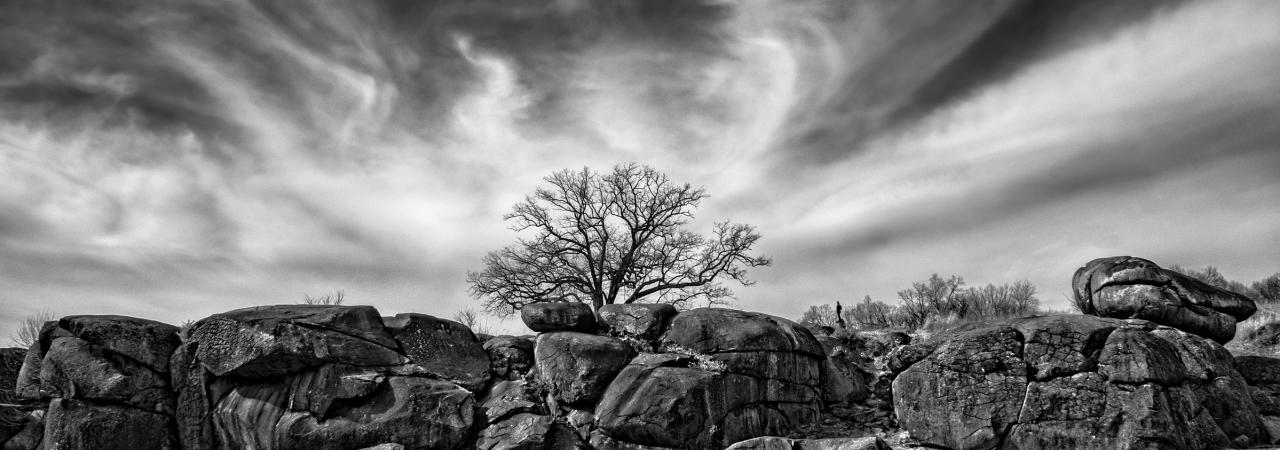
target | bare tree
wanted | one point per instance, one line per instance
(819, 316)
(335, 298)
(611, 238)
(29, 328)
(472, 319)
(932, 297)
(1268, 288)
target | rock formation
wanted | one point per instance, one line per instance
(1074, 381)
(342, 377)
(1125, 287)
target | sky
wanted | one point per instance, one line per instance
(172, 160)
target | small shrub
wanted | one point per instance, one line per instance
(335, 298)
(29, 328)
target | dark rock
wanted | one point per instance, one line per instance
(717, 330)
(12, 420)
(778, 443)
(1259, 369)
(846, 374)
(1062, 345)
(76, 424)
(148, 342)
(688, 407)
(418, 412)
(277, 340)
(578, 366)
(443, 347)
(1126, 287)
(415, 412)
(29, 385)
(75, 368)
(967, 392)
(193, 411)
(519, 432)
(31, 434)
(559, 316)
(1077, 382)
(1136, 356)
(645, 321)
(10, 364)
(793, 367)
(510, 357)
(507, 398)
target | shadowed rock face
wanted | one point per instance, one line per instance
(1125, 287)
(731, 375)
(319, 376)
(1076, 381)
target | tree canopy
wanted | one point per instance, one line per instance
(616, 237)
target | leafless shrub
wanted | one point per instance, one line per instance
(334, 298)
(29, 328)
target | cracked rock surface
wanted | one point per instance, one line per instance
(1126, 287)
(1075, 381)
(727, 376)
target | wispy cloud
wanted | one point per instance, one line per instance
(173, 162)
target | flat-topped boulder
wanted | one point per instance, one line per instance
(277, 340)
(145, 341)
(1126, 287)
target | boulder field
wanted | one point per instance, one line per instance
(344, 377)
(1143, 368)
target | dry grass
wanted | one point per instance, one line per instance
(1267, 313)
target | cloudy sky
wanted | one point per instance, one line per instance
(175, 159)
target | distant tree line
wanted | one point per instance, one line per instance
(932, 300)
(1266, 290)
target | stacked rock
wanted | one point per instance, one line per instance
(1150, 372)
(1125, 287)
(326, 377)
(102, 373)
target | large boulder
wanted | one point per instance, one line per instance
(1073, 381)
(719, 330)
(579, 366)
(73, 424)
(75, 368)
(559, 316)
(510, 357)
(686, 407)
(725, 376)
(1125, 287)
(28, 385)
(412, 411)
(30, 435)
(266, 341)
(148, 342)
(302, 376)
(104, 373)
(644, 321)
(442, 347)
